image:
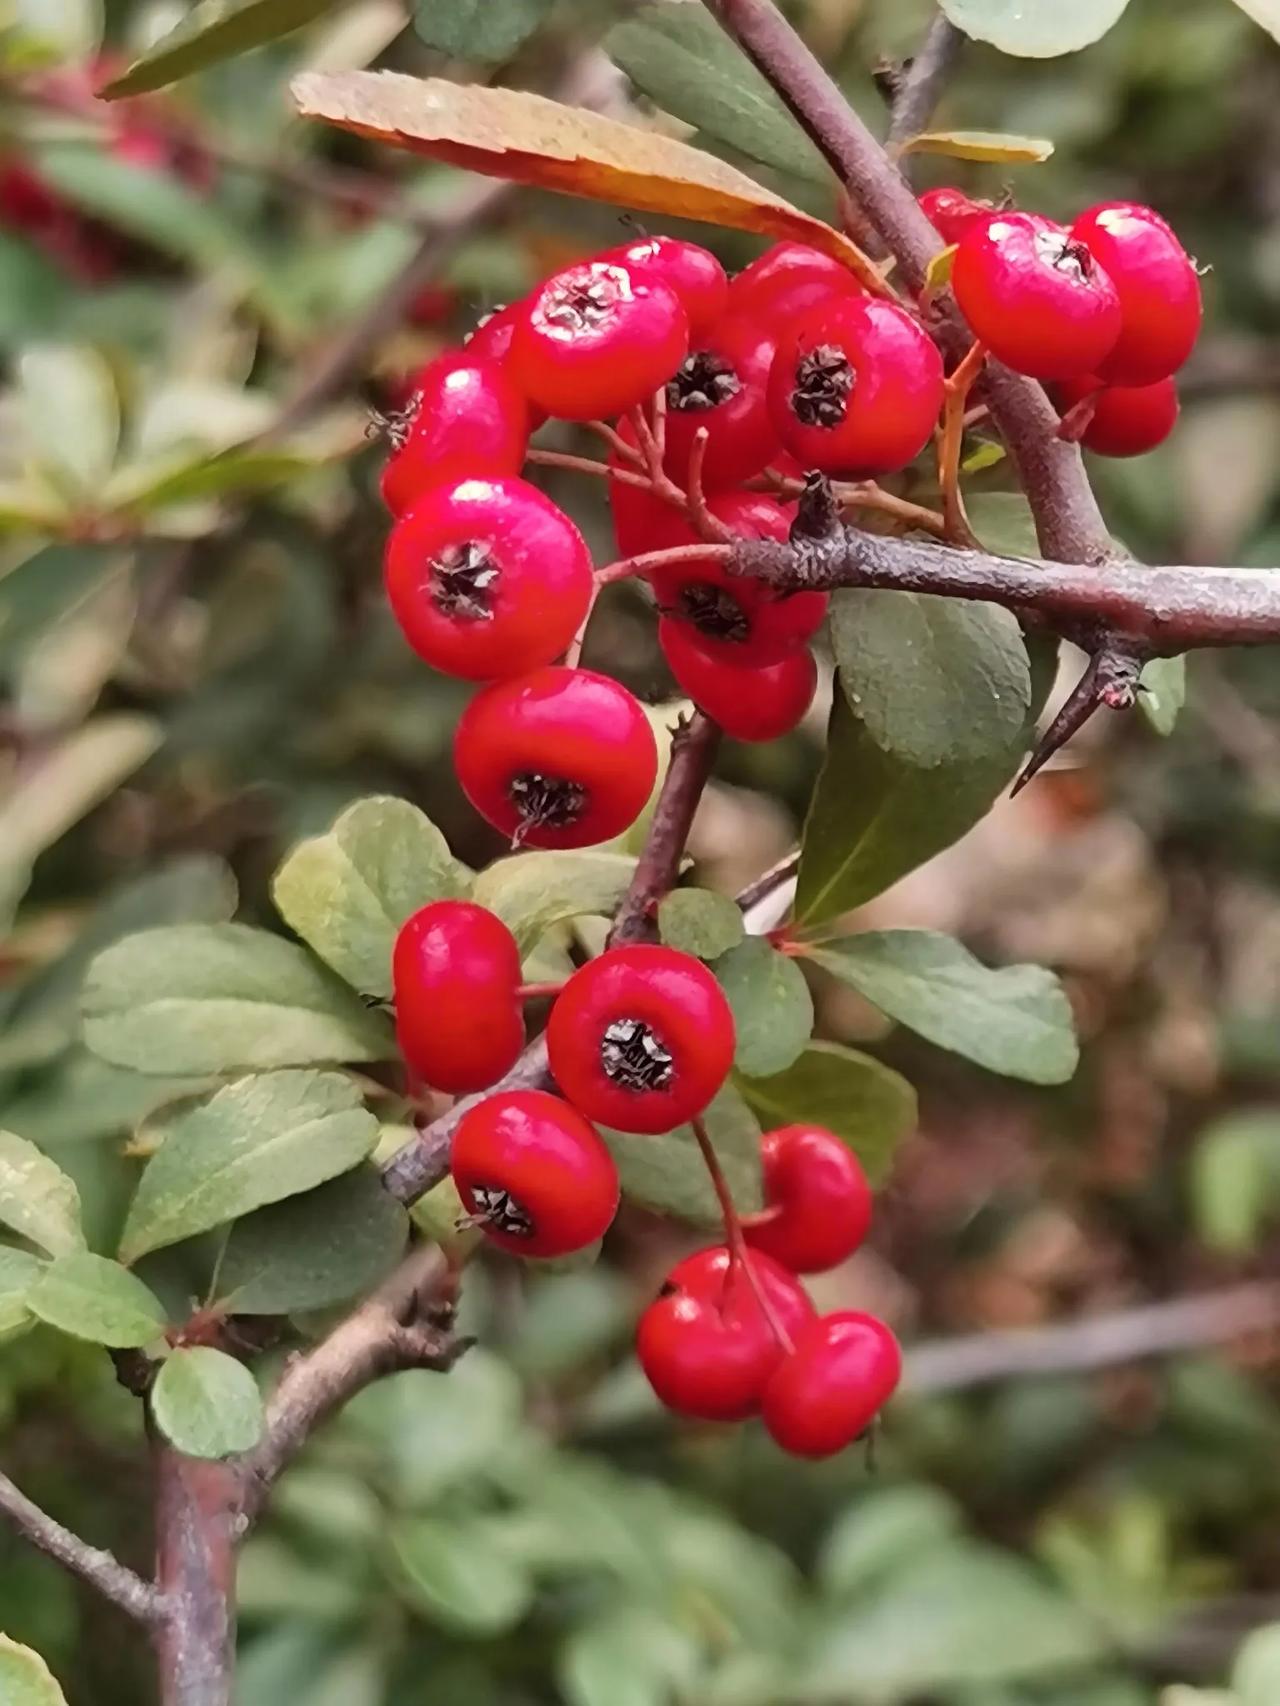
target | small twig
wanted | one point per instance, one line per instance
(586, 465)
(1129, 1335)
(921, 86)
(644, 562)
(951, 442)
(767, 884)
(708, 525)
(102, 1570)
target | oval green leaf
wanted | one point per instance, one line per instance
(92, 1298)
(533, 892)
(700, 922)
(666, 1173)
(37, 1199)
(486, 32)
(868, 1106)
(1039, 30)
(18, 1273)
(459, 1576)
(25, 1679)
(206, 1403)
(772, 1006)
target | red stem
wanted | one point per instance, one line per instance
(739, 1253)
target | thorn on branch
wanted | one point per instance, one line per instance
(1111, 679)
(817, 511)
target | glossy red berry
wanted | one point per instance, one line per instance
(721, 386)
(692, 272)
(1035, 295)
(830, 1389)
(1159, 292)
(760, 702)
(1127, 420)
(455, 972)
(557, 758)
(537, 1177)
(951, 211)
(706, 1346)
(786, 280)
(738, 620)
(487, 578)
(593, 341)
(467, 419)
(641, 1038)
(819, 1194)
(491, 341)
(855, 388)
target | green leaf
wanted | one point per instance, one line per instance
(687, 65)
(1255, 1676)
(630, 1656)
(667, 1174)
(882, 1533)
(868, 1106)
(1235, 1179)
(1004, 523)
(533, 892)
(874, 817)
(206, 474)
(934, 681)
(1036, 31)
(25, 1679)
(700, 922)
(46, 588)
(37, 1199)
(772, 1007)
(1016, 1021)
(989, 1618)
(92, 1298)
(458, 1574)
(211, 31)
(987, 455)
(980, 145)
(206, 1403)
(18, 1273)
(314, 1250)
(255, 1142)
(62, 386)
(213, 997)
(347, 892)
(1163, 692)
(485, 31)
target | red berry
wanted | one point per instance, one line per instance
(1035, 295)
(468, 419)
(1128, 420)
(491, 341)
(641, 1038)
(706, 1345)
(855, 388)
(824, 1202)
(786, 280)
(691, 271)
(951, 211)
(639, 517)
(455, 972)
(740, 621)
(557, 758)
(594, 341)
(830, 1389)
(753, 703)
(537, 1177)
(487, 578)
(721, 386)
(1159, 291)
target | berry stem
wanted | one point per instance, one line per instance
(539, 991)
(586, 465)
(951, 442)
(740, 1255)
(616, 442)
(573, 657)
(644, 561)
(708, 525)
(860, 494)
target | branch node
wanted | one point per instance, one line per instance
(817, 511)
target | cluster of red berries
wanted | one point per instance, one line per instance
(640, 1040)
(1107, 309)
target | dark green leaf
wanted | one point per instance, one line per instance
(533, 892)
(689, 67)
(1016, 1021)
(667, 1174)
(25, 1679)
(1036, 31)
(934, 681)
(37, 1199)
(92, 1298)
(487, 31)
(45, 589)
(459, 1576)
(866, 1104)
(206, 1403)
(213, 997)
(255, 1142)
(772, 1007)
(314, 1250)
(874, 818)
(700, 922)
(210, 31)
(1163, 692)
(347, 892)
(1004, 523)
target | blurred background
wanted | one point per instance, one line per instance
(201, 300)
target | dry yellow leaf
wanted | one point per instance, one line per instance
(510, 133)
